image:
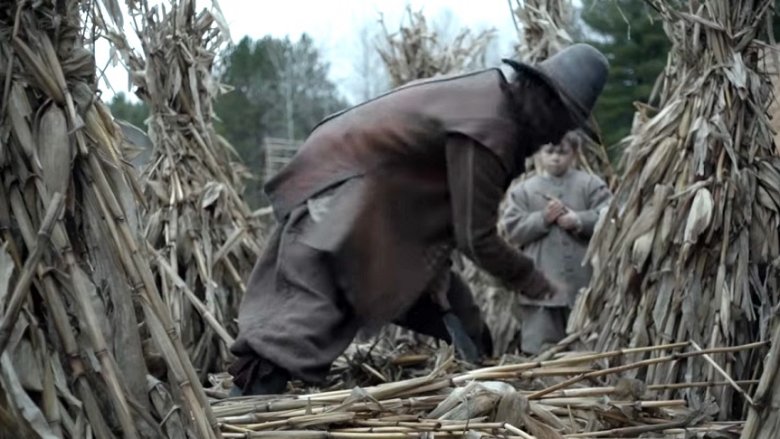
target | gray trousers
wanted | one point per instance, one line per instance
(541, 327)
(295, 316)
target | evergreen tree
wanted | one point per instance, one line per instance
(632, 38)
(133, 112)
(281, 89)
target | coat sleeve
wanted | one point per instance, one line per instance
(598, 197)
(522, 225)
(477, 182)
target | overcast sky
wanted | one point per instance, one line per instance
(335, 26)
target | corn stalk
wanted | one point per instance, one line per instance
(415, 51)
(75, 363)
(763, 420)
(551, 399)
(688, 248)
(205, 239)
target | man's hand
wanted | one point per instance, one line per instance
(568, 221)
(553, 211)
(536, 286)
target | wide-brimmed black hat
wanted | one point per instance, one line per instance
(577, 74)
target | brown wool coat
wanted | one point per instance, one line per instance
(427, 166)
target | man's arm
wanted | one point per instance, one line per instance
(522, 225)
(477, 182)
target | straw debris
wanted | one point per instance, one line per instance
(553, 399)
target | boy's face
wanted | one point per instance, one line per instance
(557, 159)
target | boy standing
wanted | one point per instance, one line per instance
(551, 217)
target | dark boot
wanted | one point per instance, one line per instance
(486, 345)
(272, 384)
(257, 376)
(465, 348)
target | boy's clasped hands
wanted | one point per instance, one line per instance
(557, 213)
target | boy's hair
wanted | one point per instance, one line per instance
(570, 143)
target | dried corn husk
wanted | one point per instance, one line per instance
(206, 240)
(73, 364)
(416, 51)
(763, 421)
(708, 273)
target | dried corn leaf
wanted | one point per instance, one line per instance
(55, 150)
(22, 402)
(193, 207)
(92, 279)
(21, 114)
(6, 270)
